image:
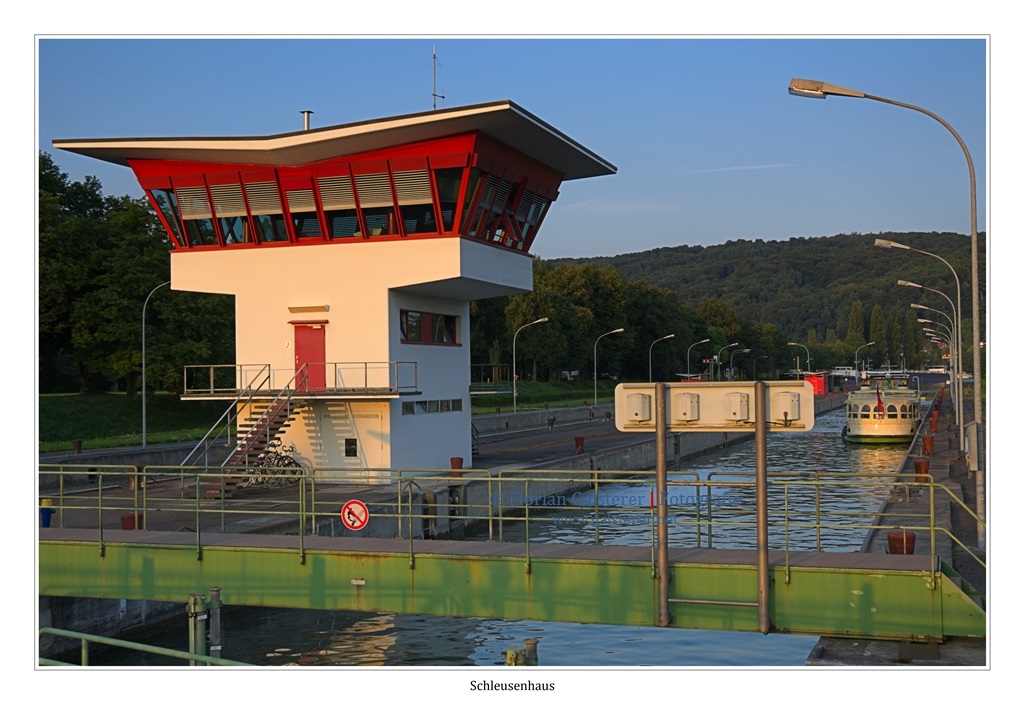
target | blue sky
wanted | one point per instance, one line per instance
(709, 145)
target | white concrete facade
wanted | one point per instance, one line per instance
(355, 293)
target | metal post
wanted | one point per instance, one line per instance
(144, 303)
(661, 473)
(196, 625)
(764, 623)
(515, 391)
(978, 467)
(531, 650)
(612, 332)
(216, 641)
(688, 354)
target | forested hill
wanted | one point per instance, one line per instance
(804, 284)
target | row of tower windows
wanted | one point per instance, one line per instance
(352, 206)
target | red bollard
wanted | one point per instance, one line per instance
(921, 467)
(928, 442)
(579, 444)
(901, 542)
(456, 466)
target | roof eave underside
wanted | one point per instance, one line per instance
(504, 121)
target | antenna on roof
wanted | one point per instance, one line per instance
(436, 64)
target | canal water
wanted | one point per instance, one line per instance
(326, 638)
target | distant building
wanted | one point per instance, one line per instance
(353, 252)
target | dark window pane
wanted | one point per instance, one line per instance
(201, 231)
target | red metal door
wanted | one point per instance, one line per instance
(310, 351)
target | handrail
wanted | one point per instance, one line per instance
(488, 497)
(226, 419)
(86, 638)
(262, 424)
(344, 378)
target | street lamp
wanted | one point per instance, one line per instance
(958, 342)
(718, 357)
(610, 332)
(515, 393)
(144, 303)
(732, 368)
(889, 244)
(797, 344)
(857, 353)
(948, 334)
(819, 89)
(706, 339)
(954, 366)
(763, 356)
(935, 333)
(650, 352)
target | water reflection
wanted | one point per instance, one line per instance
(854, 481)
(291, 638)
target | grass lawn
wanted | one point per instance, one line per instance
(114, 420)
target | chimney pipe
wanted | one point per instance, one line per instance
(305, 118)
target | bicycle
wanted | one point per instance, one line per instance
(279, 464)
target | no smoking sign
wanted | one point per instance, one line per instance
(354, 514)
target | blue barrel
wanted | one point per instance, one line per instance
(46, 512)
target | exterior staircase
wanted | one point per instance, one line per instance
(256, 420)
(259, 427)
(259, 424)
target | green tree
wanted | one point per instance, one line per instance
(99, 259)
(652, 313)
(715, 313)
(600, 291)
(878, 332)
(486, 327)
(855, 327)
(894, 336)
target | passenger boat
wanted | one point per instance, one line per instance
(885, 409)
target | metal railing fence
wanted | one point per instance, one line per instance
(511, 505)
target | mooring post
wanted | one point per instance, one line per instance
(196, 625)
(216, 640)
(518, 657)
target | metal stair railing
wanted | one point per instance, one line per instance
(252, 440)
(222, 427)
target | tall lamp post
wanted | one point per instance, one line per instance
(958, 342)
(610, 332)
(732, 366)
(797, 344)
(650, 356)
(706, 339)
(144, 304)
(955, 363)
(763, 356)
(718, 357)
(857, 353)
(515, 394)
(819, 89)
